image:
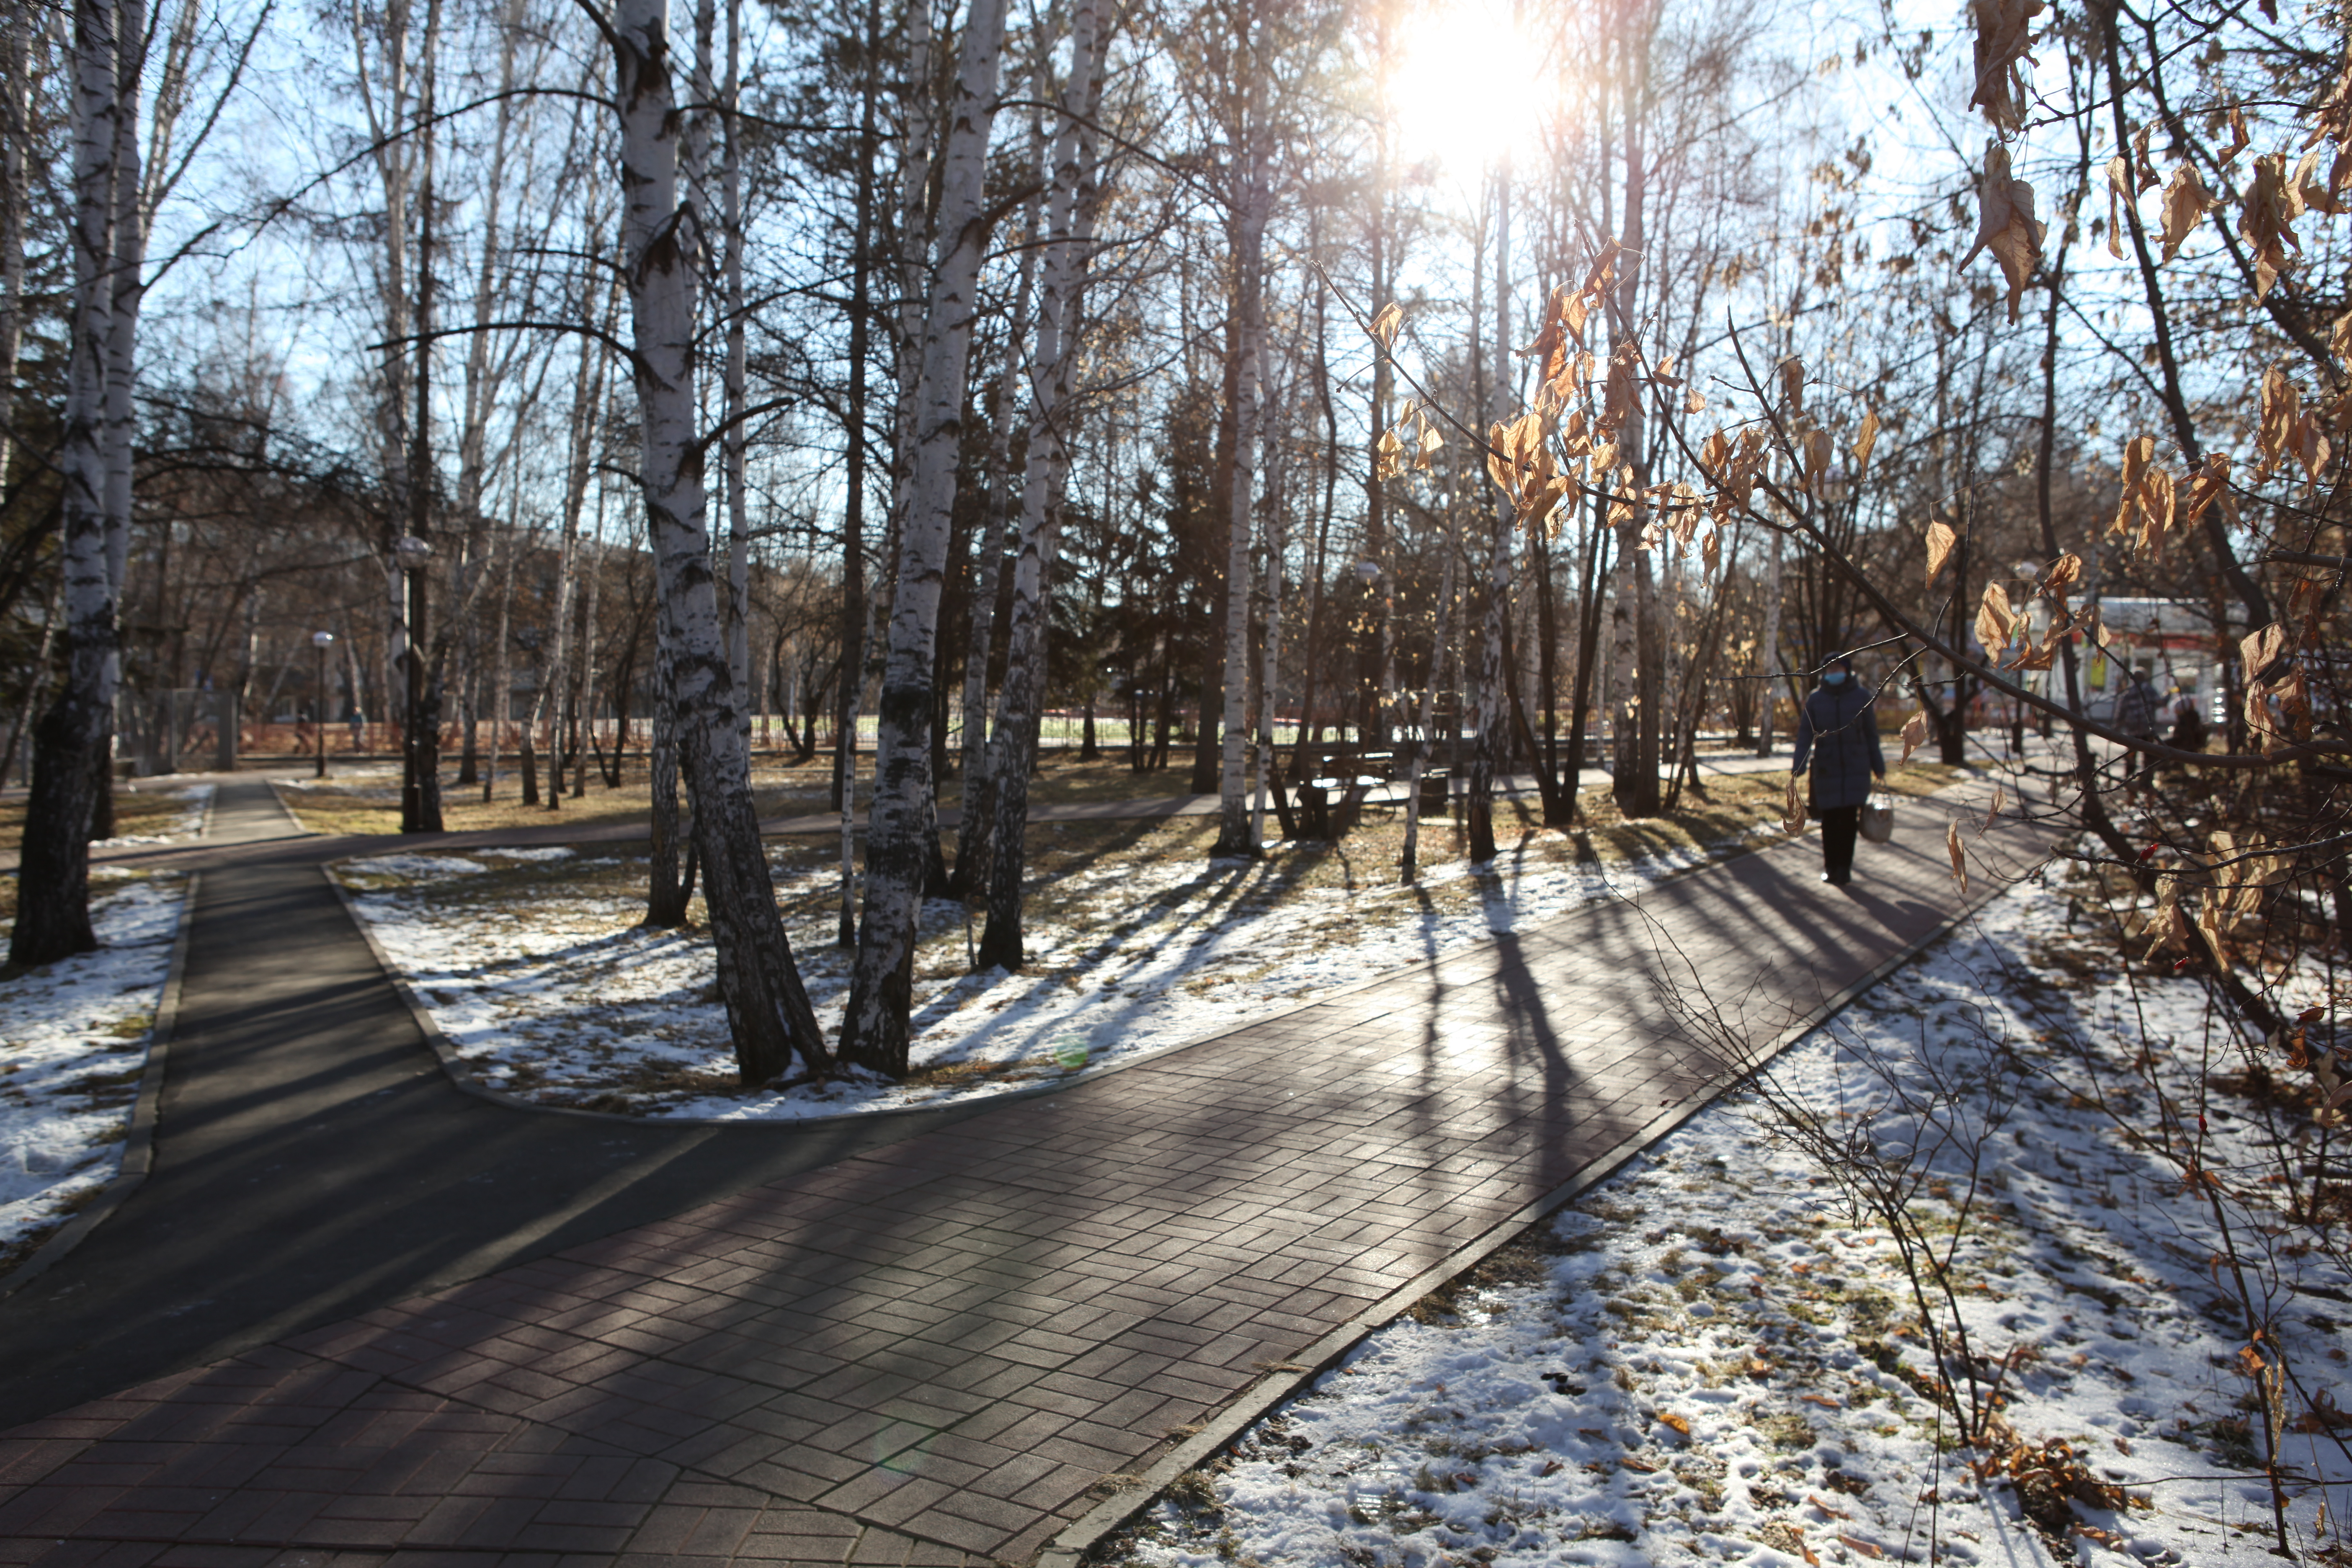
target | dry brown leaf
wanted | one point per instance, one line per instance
(2186, 203)
(1818, 452)
(2155, 510)
(2256, 653)
(2266, 220)
(1960, 855)
(2063, 573)
(1867, 439)
(2006, 224)
(2275, 438)
(1816, 1499)
(1385, 324)
(2313, 192)
(1940, 540)
(2207, 485)
(2004, 37)
(1793, 383)
(1694, 402)
(1856, 1544)
(1995, 619)
(1793, 814)
(1914, 735)
(1999, 799)
(1680, 1424)
(1498, 450)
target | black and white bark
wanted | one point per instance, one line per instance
(768, 1011)
(1493, 698)
(16, 126)
(875, 1031)
(978, 830)
(1069, 228)
(1409, 863)
(53, 877)
(854, 608)
(555, 677)
(1251, 199)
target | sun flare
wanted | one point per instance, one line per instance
(1464, 91)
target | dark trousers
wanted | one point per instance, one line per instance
(1841, 825)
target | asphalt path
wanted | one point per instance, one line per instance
(311, 1159)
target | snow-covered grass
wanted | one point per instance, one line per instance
(192, 801)
(539, 974)
(1711, 1358)
(73, 1044)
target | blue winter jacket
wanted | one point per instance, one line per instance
(1837, 731)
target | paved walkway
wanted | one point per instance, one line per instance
(933, 1347)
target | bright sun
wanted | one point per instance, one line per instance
(1464, 91)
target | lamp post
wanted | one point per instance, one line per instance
(319, 643)
(415, 752)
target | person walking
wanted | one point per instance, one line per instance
(2136, 715)
(1837, 734)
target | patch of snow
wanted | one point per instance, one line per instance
(546, 852)
(1716, 1362)
(73, 1044)
(414, 867)
(561, 995)
(196, 800)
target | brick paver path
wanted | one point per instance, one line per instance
(932, 1352)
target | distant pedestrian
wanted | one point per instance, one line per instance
(1837, 734)
(2188, 731)
(2135, 711)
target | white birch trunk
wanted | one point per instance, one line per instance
(15, 125)
(1493, 698)
(766, 1010)
(1270, 656)
(973, 841)
(875, 1031)
(1069, 228)
(1233, 835)
(731, 444)
(52, 884)
(1409, 863)
(1770, 648)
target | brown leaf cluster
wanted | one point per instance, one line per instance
(1411, 445)
(2006, 226)
(2004, 41)
(2289, 432)
(2154, 502)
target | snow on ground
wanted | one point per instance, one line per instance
(73, 1044)
(542, 980)
(1709, 1359)
(195, 799)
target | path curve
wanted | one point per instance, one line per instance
(913, 1339)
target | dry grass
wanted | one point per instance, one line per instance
(153, 807)
(371, 803)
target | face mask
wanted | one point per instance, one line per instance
(1834, 678)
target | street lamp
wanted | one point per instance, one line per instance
(415, 754)
(321, 642)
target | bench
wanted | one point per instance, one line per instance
(1338, 779)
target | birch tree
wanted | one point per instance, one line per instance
(1251, 196)
(875, 1032)
(53, 879)
(1069, 222)
(768, 1011)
